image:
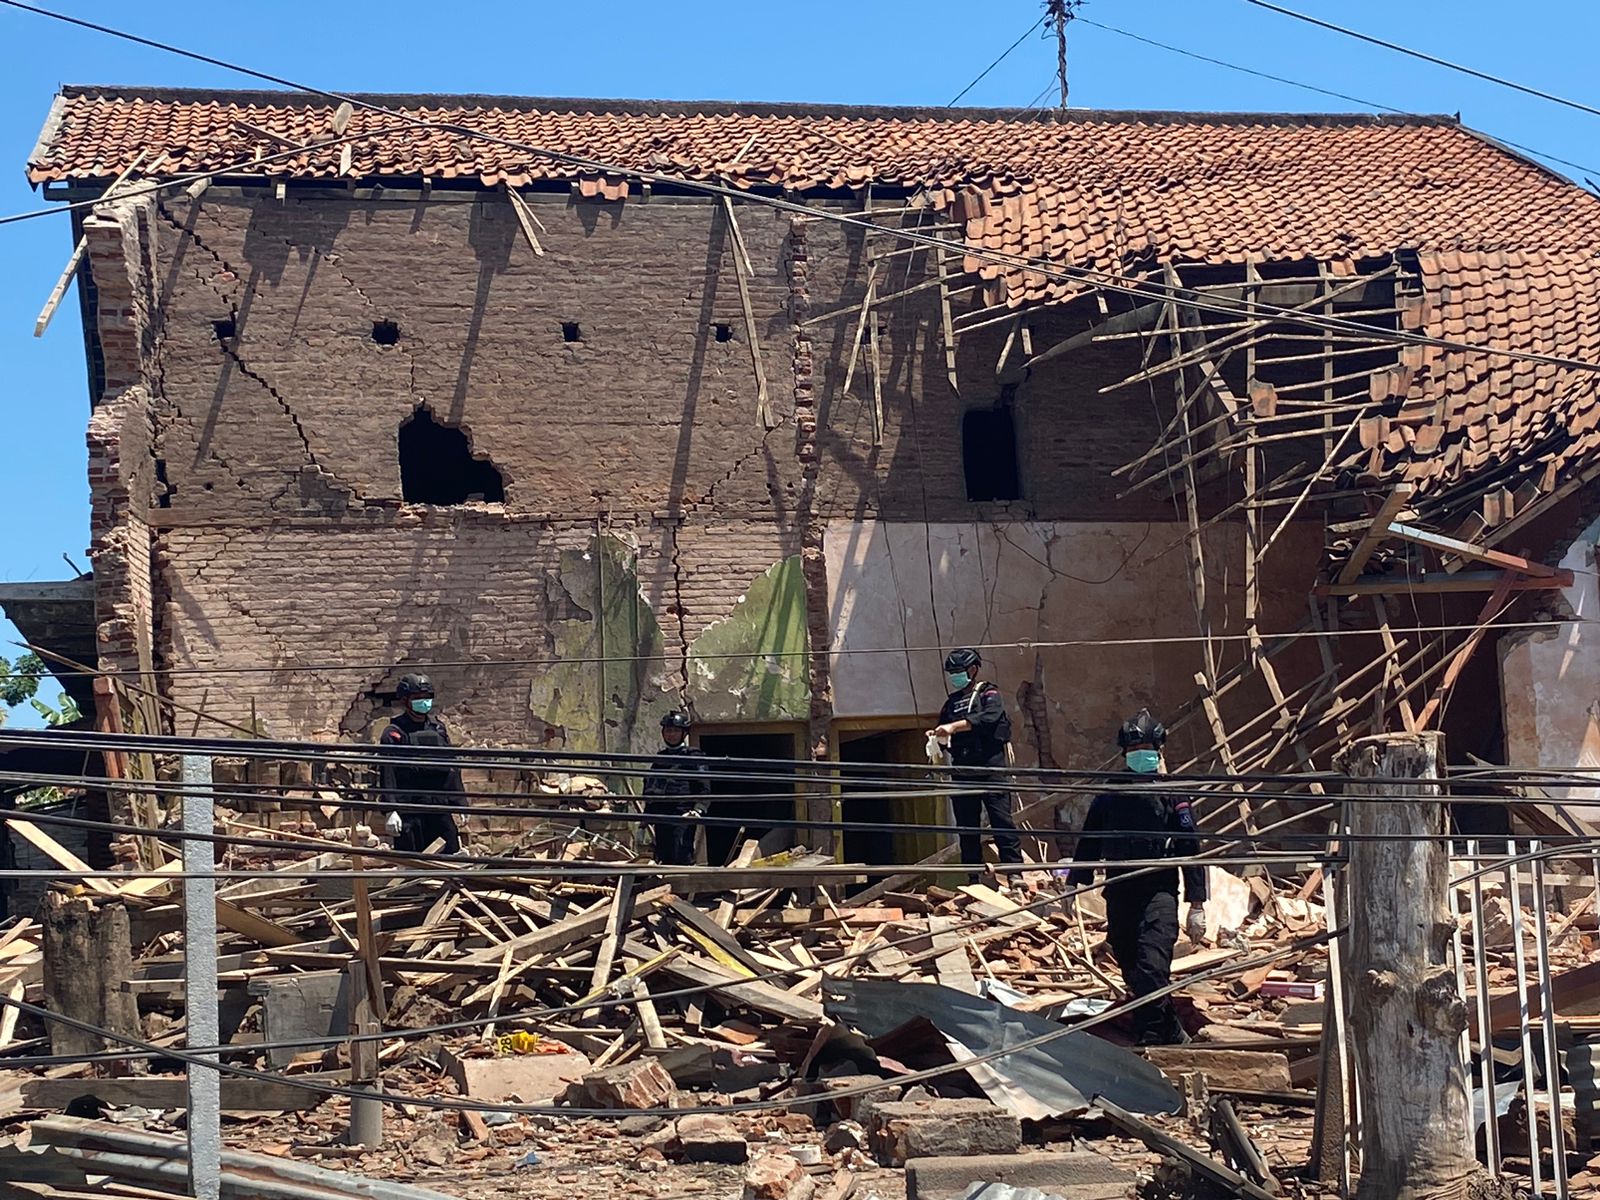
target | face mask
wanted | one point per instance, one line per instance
(1145, 762)
(422, 707)
(959, 680)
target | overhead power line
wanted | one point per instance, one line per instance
(1321, 91)
(1007, 54)
(1103, 280)
(1427, 58)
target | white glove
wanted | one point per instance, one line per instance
(1195, 925)
(392, 824)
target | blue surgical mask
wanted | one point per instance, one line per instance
(1145, 762)
(959, 680)
(422, 707)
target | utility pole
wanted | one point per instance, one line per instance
(1406, 1012)
(1059, 12)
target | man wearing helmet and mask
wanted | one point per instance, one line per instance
(419, 782)
(974, 725)
(679, 778)
(1142, 905)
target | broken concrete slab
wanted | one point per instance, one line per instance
(778, 1177)
(1076, 1176)
(907, 1129)
(1226, 1070)
(640, 1084)
(528, 1078)
(707, 1138)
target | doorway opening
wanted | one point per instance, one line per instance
(756, 802)
(861, 750)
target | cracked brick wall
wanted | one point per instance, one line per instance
(609, 381)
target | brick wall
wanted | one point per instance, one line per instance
(274, 476)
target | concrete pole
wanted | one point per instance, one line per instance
(1407, 1014)
(200, 979)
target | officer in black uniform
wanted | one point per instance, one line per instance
(678, 781)
(1142, 905)
(415, 727)
(974, 723)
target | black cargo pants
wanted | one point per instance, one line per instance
(1142, 928)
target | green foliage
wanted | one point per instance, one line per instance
(20, 685)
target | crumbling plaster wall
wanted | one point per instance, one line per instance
(922, 587)
(1550, 681)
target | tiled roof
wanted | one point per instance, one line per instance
(1507, 248)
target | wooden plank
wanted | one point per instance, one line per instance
(731, 989)
(163, 1092)
(60, 290)
(9, 1015)
(746, 856)
(1491, 611)
(58, 854)
(742, 271)
(693, 921)
(616, 926)
(1438, 582)
(1450, 545)
(525, 218)
(952, 966)
(257, 928)
(649, 1019)
(588, 923)
(1376, 533)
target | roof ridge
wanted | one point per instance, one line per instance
(285, 98)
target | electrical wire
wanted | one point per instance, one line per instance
(1007, 54)
(1105, 281)
(1322, 91)
(843, 651)
(1425, 57)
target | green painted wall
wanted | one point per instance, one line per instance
(770, 618)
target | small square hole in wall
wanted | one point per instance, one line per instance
(385, 333)
(225, 329)
(570, 332)
(722, 331)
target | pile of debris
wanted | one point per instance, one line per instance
(757, 1025)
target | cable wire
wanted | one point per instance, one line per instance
(1007, 54)
(1103, 280)
(1425, 57)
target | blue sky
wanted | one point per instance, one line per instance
(823, 50)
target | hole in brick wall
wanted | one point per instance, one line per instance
(164, 492)
(225, 330)
(570, 332)
(437, 465)
(385, 333)
(989, 454)
(722, 331)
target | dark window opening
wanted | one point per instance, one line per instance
(437, 465)
(730, 796)
(225, 330)
(164, 494)
(385, 333)
(989, 455)
(570, 332)
(722, 331)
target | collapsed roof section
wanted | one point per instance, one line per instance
(1502, 250)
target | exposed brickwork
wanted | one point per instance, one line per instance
(282, 538)
(121, 484)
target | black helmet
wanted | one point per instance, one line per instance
(962, 660)
(413, 685)
(1142, 729)
(676, 720)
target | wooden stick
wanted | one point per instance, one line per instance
(743, 271)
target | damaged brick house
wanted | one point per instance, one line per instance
(1175, 409)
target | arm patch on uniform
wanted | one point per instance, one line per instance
(1184, 811)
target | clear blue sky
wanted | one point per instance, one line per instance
(824, 50)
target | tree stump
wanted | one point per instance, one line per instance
(1405, 1011)
(88, 961)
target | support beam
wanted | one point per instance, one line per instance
(1449, 545)
(1439, 582)
(60, 290)
(1491, 611)
(743, 270)
(1376, 533)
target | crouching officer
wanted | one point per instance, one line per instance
(1142, 904)
(974, 723)
(676, 786)
(419, 782)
